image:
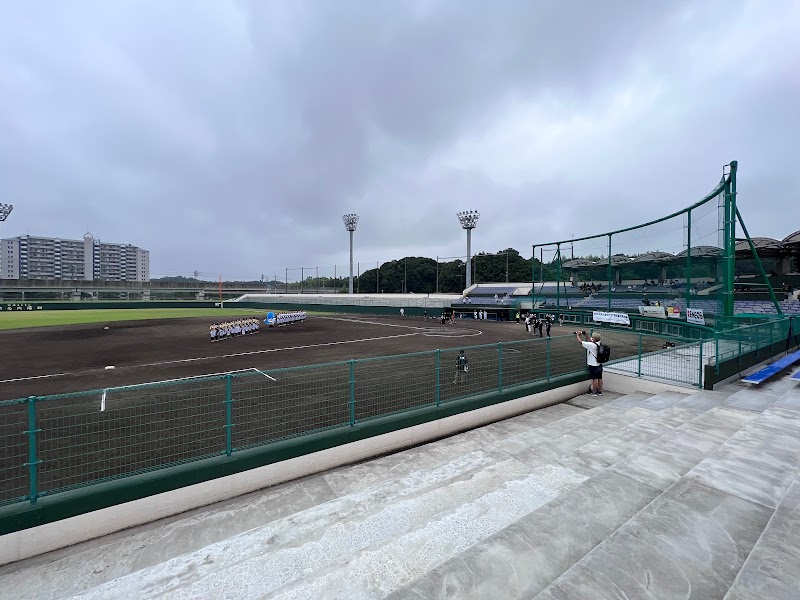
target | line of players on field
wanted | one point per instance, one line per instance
(537, 322)
(229, 329)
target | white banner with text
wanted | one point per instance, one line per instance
(617, 318)
(695, 315)
(653, 311)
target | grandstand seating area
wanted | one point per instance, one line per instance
(765, 307)
(573, 297)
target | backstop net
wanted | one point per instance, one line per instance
(664, 268)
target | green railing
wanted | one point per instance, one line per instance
(51, 444)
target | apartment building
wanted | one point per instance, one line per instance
(31, 257)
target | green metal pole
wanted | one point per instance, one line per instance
(759, 264)
(639, 368)
(499, 366)
(438, 378)
(33, 462)
(548, 360)
(730, 243)
(608, 291)
(740, 344)
(228, 415)
(558, 277)
(716, 351)
(533, 272)
(700, 373)
(688, 258)
(352, 392)
(770, 338)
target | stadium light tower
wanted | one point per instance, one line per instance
(350, 222)
(5, 210)
(469, 219)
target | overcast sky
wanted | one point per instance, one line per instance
(230, 136)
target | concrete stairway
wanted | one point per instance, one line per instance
(669, 495)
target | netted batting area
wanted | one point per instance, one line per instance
(120, 425)
(678, 262)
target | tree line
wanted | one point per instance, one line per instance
(421, 275)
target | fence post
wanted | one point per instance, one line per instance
(228, 414)
(548, 359)
(740, 346)
(352, 392)
(438, 378)
(33, 461)
(639, 368)
(700, 374)
(770, 339)
(716, 352)
(758, 341)
(499, 366)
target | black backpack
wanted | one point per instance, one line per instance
(603, 352)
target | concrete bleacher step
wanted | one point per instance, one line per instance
(550, 489)
(557, 438)
(735, 532)
(554, 537)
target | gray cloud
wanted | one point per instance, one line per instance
(230, 137)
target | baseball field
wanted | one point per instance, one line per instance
(116, 397)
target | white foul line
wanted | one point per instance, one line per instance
(199, 358)
(264, 374)
(33, 377)
(186, 360)
(372, 323)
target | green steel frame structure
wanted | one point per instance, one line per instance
(726, 189)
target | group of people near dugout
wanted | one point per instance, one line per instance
(229, 329)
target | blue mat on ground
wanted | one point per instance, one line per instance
(779, 365)
(796, 376)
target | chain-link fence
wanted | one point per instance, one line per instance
(50, 444)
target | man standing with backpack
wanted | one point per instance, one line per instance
(596, 354)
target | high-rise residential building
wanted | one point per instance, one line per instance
(30, 257)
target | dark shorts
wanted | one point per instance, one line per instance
(595, 372)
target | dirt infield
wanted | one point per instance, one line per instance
(56, 360)
(95, 435)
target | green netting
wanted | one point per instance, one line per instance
(672, 267)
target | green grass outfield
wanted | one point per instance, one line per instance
(13, 319)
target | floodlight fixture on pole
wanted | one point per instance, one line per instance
(350, 222)
(469, 219)
(5, 210)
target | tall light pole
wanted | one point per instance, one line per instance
(469, 219)
(5, 210)
(350, 222)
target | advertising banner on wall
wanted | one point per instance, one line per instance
(653, 311)
(673, 312)
(617, 318)
(695, 315)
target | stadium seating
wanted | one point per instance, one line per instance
(779, 365)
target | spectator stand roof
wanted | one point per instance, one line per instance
(764, 246)
(792, 240)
